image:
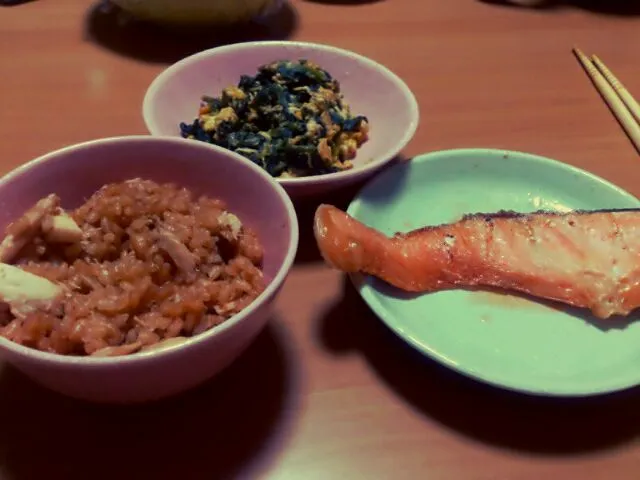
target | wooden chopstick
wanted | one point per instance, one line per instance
(617, 85)
(615, 103)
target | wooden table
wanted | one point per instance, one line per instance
(327, 392)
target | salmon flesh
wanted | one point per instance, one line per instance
(586, 259)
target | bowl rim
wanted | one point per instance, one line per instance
(401, 86)
(142, 357)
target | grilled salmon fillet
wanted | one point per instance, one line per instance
(587, 259)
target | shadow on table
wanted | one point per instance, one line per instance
(231, 427)
(107, 26)
(509, 420)
(344, 2)
(306, 207)
(14, 3)
(605, 7)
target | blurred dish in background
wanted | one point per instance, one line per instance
(527, 3)
(199, 12)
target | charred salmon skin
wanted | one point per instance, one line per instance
(587, 259)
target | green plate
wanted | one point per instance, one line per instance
(506, 340)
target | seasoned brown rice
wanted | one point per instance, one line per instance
(154, 263)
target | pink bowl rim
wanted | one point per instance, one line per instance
(132, 141)
(379, 160)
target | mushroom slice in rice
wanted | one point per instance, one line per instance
(61, 228)
(179, 253)
(44, 217)
(24, 291)
(20, 232)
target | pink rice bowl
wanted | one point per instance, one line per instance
(74, 174)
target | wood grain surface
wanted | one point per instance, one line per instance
(327, 392)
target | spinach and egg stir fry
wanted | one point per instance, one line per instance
(290, 119)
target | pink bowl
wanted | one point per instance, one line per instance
(370, 88)
(75, 173)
